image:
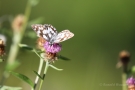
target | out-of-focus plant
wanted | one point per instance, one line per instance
(131, 81)
(19, 25)
(124, 58)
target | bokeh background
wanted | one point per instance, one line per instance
(102, 29)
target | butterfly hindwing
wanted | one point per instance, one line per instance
(63, 35)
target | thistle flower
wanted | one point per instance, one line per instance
(54, 48)
(18, 22)
(51, 51)
(131, 83)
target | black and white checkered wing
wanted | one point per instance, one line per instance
(63, 35)
(46, 31)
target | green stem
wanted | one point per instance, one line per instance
(18, 37)
(39, 71)
(45, 71)
(124, 77)
(37, 54)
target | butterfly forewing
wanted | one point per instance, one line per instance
(46, 31)
(63, 35)
(38, 29)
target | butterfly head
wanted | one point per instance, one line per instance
(50, 43)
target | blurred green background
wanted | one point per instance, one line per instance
(102, 29)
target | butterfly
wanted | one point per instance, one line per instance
(50, 34)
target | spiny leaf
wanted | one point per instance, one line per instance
(25, 47)
(63, 58)
(55, 68)
(9, 88)
(38, 75)
(24, 78)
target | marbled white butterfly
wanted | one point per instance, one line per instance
(49, 33)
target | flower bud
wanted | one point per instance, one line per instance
(17, 23)
(124, 57)
(2, 48)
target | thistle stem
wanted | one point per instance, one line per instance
(124, 77)
(45, 71)
(38, 54)
(39, 71)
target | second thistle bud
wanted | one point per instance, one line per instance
(40, 43)
(51, 56)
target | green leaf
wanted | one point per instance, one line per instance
(24, 78)
(1, 60)
(39, 51)
(25, 47)
(11, 67)
(9, 88)
(38, 75)
(35, 21)
(55, 67)
(63, 58)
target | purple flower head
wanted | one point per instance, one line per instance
(130, 81)
(54, 48)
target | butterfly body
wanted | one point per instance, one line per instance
(50, 34)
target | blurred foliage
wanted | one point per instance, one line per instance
(10, 88)
(102, 29)
(24, 78)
